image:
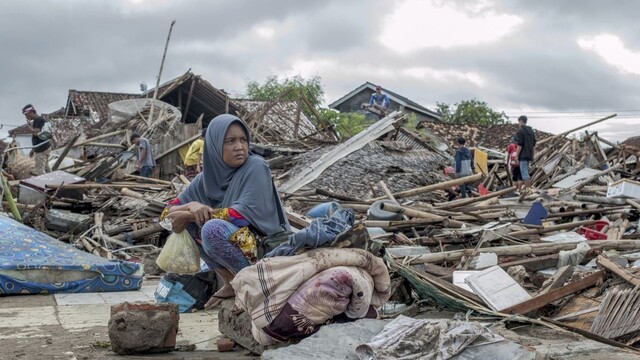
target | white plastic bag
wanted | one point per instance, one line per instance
(180, 254)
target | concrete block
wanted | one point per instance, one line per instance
(143, 328)
(237, 327)
(225, 344)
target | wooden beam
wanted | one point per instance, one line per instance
(65, 152)
(534, 264)
(186, 109)
(178, 146)
(558, 279)
(553, 295)
(616, 269)
(100, 137)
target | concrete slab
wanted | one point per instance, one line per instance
(79, 299)
(113, 298)
(80, 317)
(28, 317)
(25, 301)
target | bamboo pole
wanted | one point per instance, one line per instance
(105, 145)
(600, 200)
(549, 229)
(100, 137)
(528, 249)
(410, 212)
(576, 129)
(468, 201)
(585, 212)
(65, 152)
(146, 179)
(156, 228)
(438, 186)
(10, 200)
(106, 186)
(586, 181)
(155, 91)
(633, 203)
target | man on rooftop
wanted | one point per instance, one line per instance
(379, 101)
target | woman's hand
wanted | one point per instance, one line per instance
(180, 220)
(201, 213)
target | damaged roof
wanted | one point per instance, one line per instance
(283, 121)
(93, 104)
(194, 96)
(494, 136)
(406, 102)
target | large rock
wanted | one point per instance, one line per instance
(143, 328)
(237, 327)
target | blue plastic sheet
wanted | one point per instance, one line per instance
(34, 263)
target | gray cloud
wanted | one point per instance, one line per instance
(50, 47)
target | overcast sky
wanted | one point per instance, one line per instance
(563, 63)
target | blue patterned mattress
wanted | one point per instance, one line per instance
(34, 263)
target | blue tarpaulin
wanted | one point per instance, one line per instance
(34, 263)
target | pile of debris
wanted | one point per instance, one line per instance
(565, 255)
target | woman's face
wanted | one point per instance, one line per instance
(235, 149)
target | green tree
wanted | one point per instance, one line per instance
(471, 112)
(273, 86)
(346, 124)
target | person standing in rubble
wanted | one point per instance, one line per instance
(146, 160)
(464, 165)
(193, 158)
(525, 139)
(230, 204)
(41, 148)
(379, 101)
(514, 164)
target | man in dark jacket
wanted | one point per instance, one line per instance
(525, 138)
(464, 164)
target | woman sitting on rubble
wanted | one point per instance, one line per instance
(230, 204)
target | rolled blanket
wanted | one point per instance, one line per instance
(264, 289)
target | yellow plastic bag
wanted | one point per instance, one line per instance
(180, 254)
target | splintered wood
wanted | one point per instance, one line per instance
(619, 314)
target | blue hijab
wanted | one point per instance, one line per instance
(247, 189)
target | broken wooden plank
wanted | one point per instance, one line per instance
(65, 152)
(553, 295)
(619, 314)
(557, 279)
(616, 269)
(534, 264)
